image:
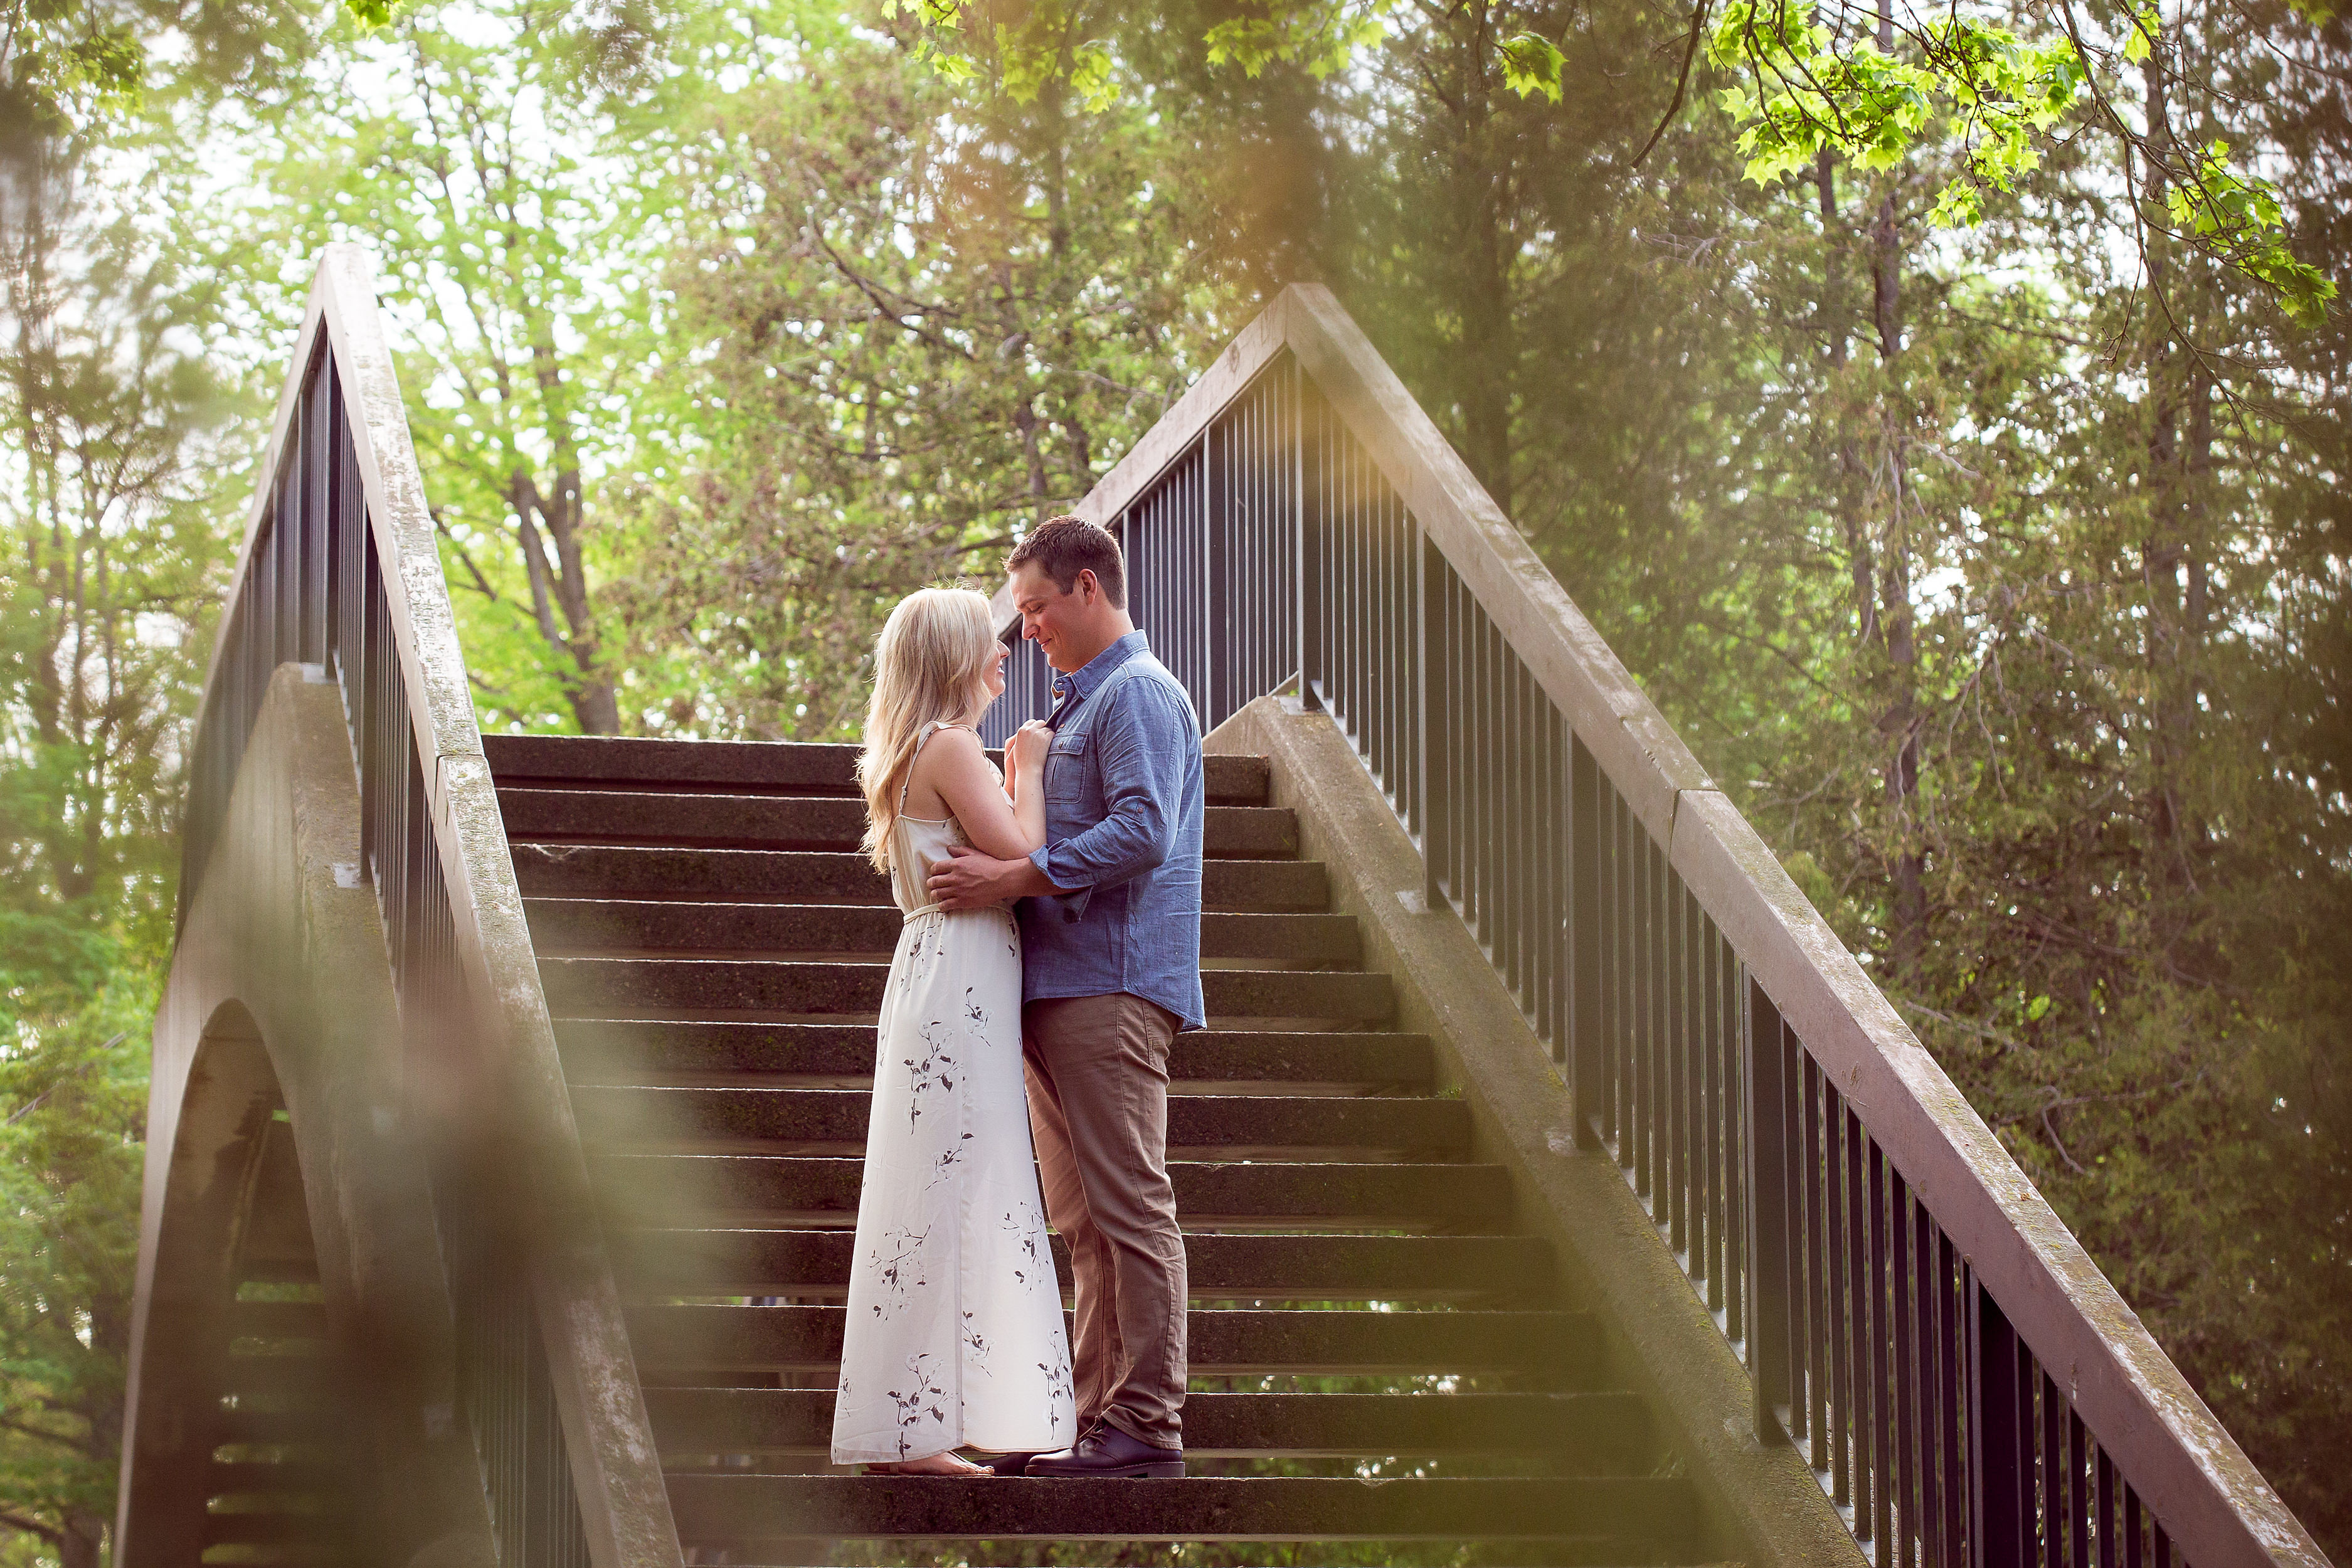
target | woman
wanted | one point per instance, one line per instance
(955, 1331)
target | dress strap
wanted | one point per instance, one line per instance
(922, 736)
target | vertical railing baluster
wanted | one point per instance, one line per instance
(1509, 849)
(322, 457)
(1638, 941)
(1858, 1315)
(2103, 1505)
(1541, 857)
(1881, 1381)
(1432, 673)
(1841, 1237)
(1793, 1269)
(2051, 1465)
(1560, 938)
(1674, 1037)
(2078, 1491)
(1767, 1154)
(1587, 1047)
(1707, 1201)
(1820, 1333)
(1660, 973)
(1395, 608)
(1309, 514)
(1955, 1440)
(1922, 1381)
(1732, 1016)
(1998, 1521)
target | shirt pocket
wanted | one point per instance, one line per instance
(1067, 773)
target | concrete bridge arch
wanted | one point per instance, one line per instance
(291, 1325)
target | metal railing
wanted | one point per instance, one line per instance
(339, 570)
(1965, 1383)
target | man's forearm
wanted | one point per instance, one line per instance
(1119, 848)
(1021, 879)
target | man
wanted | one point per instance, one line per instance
(1110, 938)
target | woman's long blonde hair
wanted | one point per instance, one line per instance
(930, 663)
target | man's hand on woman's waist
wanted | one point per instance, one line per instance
(969, 879)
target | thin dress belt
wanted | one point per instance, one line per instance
(911, 916)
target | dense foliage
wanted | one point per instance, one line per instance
(1998, 569)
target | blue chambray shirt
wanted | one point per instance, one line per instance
(1123, 803)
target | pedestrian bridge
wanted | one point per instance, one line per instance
(1556, 1188)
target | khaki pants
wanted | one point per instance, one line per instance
(1097, 1073)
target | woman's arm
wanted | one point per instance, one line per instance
(954, 766)
(1024, 760)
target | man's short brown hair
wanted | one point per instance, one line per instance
(1062, 547)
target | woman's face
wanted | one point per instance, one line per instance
(996, 675)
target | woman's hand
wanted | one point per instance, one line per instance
(1028, 747)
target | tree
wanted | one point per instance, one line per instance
(507, 230)
(925, 331)
(116, 503)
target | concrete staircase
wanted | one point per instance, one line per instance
(713, 949)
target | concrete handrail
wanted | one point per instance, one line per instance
(625, 1505)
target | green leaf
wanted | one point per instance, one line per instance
(1531, 65)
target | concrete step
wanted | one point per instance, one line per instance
(277, 1381)
(256, 1479)
(624, 1050)
(273, 1321)
(1592, 1434)
(754, 766)
(276, 1525)
(587, 925)
(649, 1188)
(1592, 1520)
(611, 1116)
(1557, 1350)
(303, 1423)
(805, 1263)
(595, 871)
(597, 987)
(799, 822)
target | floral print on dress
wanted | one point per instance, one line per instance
(955, 1334)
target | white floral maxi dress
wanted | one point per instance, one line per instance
(955, 1334)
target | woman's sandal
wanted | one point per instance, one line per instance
(943, 1464)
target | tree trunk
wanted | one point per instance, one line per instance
(2170, 570)
(1847, 480)
(563, 585)
(1899, 720)
(1487, 254)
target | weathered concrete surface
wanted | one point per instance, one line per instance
(280, 985)
(1758, 1503)
(607, 1051)
(1559, 1347)
(747, 1514)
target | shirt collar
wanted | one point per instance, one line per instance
(1099, 669)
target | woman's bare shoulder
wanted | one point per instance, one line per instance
(951, 751)
(953, 745)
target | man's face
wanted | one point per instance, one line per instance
(1057, 622)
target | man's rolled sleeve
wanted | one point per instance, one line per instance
(1140, 741)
